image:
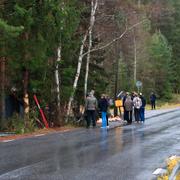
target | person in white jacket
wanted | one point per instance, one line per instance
(137, 105)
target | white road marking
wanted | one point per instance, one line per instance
(8, 140)
(39, 135)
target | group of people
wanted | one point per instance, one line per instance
(136, 103)
(92, 105)
(133, 104)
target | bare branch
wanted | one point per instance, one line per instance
(114, 40)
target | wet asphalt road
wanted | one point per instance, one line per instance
(126, 153)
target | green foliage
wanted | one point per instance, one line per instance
(40, 27)
(146, 24)
(125, 79)
(8, 30)
(161, 57)
(18, 125)
(46, 25)
(120, 18)
(31, 31)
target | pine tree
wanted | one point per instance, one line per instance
(160, 57)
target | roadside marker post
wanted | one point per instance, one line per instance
(41, 112)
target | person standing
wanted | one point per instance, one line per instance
(103, 107)
(12, 103)
(125, 112)
(128, 105)
(142, 109)
(137, 105)
(153, 100)
(91, 107)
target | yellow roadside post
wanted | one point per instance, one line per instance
(118, 104)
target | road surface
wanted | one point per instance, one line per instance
(125, 153)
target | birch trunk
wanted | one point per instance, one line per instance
(26, 96)
(135, 59)
(57, 78)
(92, 21)
(76, 76)
(81, 55)
(25, 84)
(139, 3)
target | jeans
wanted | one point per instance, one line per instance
(104, 119)
(142, 110)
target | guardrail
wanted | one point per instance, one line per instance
(175, 172)
(171, 171)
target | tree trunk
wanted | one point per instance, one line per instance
(135, 58)
(57, 82)
(26, 82)
(76, 76)
(57, 77)
(139, 3)
(25, 91)
(92, 21)
(2, 65)
(81, 55)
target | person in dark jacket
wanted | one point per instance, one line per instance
(125, 112)
(142, 108)
(12, 103)
(103, 107)
(153, 101)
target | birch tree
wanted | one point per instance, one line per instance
(77, 75)
(92, 21)
(57, 78)
(89, 31)
(81, 55)
(135, 56)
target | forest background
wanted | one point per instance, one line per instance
(60, 50)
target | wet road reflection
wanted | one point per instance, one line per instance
(125, 153)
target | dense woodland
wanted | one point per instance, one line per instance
(60, 50)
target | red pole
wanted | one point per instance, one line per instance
(41, 112)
